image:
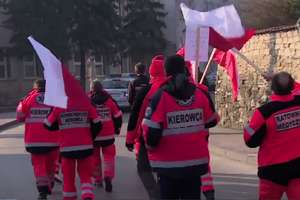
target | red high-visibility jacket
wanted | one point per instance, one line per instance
(275, 128)
(32, 110)
(75, 129)
(175, 132)
(110, 115)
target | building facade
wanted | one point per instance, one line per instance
(18, 73)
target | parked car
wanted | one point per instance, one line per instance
(117, 87)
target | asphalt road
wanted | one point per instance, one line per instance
(233, 180)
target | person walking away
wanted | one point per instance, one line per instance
(78, 124)
(274, 128)
(207, 186)
(39, 142)
(139, 82)
(111, 118)
(134, 139)
(175, 132)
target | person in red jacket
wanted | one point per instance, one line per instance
(175, 133)
(78, 124)
(39, 142)
(111, 118)
(134, 138)
(274, 128)
(207, 186)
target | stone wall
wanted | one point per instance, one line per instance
(276, 49)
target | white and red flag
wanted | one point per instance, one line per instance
(223, 21)
(226, 32)
(62, 89)
(227, 60)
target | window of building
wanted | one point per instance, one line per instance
(5, 72)
(32, 67)
(99, 67)
(76, 66)
(97, 63)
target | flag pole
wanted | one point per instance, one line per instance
(197, 54)
(250, 62)
(207, 65)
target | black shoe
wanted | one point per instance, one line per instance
(209, 195)
(42, 196)
(108, 185)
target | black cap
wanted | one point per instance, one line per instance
(174, 65)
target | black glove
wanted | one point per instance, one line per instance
(117, 131)
(95, 129)
(130, 147)
(53, 127)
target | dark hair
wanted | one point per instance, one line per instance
(175, 65)
(282, 83)
(96, 85)
(140, 68)
(40, 84)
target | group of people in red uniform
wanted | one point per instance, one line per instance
(168, 128)
(78, 134)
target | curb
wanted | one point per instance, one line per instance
(250, 159)
(7, 125)
(225, 131)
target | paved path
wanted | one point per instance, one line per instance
(233, 180)
(7, 117)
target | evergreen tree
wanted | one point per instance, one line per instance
(42, 19)
(93, 26)
(143, 26)
(63, 25)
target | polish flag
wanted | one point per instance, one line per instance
(229, 34)
(224, 20)
(62, 89)
(226, 30)
(227, 60)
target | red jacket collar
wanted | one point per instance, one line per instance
(283, 98)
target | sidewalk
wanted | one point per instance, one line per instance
(229, 143)
(7, 119)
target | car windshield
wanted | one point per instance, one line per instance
(115, 84)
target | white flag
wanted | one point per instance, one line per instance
(225, 20)
(55, 94)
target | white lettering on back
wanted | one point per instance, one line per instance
(185, 118)
(287, 120)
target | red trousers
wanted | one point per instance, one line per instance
(44, 166)
(84, 169)
(109, 154)
(272, 191)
